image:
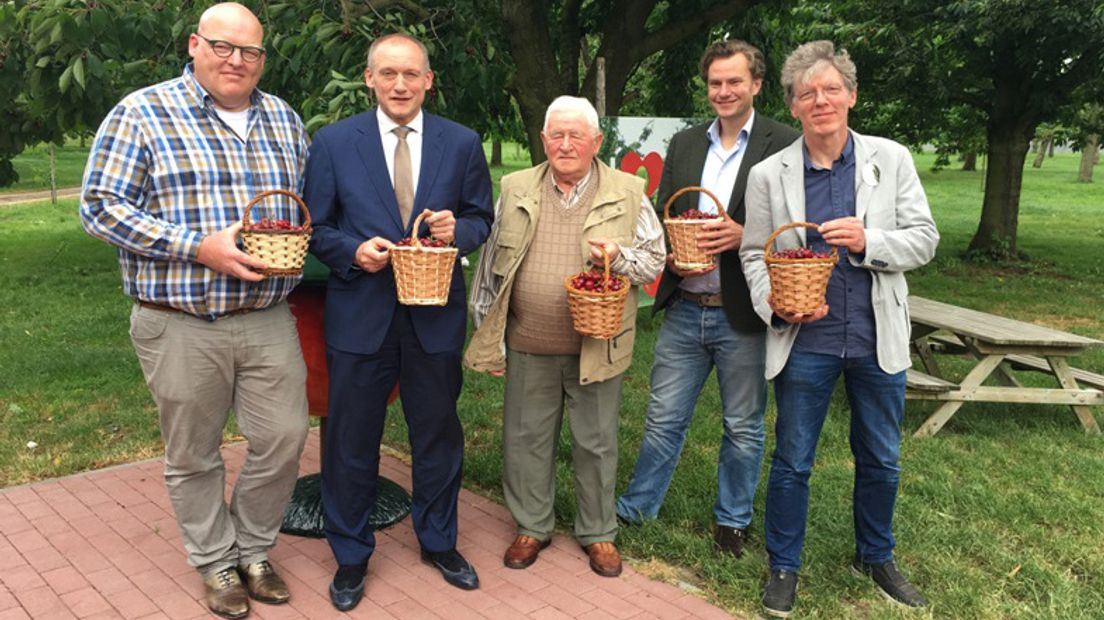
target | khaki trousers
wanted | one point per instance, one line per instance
(538, 389)
(198, 370)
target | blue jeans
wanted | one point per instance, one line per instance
(803, 390)
(692, 340)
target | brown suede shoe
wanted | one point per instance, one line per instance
(225, 594)
(263, 584)
(604, 559)
(523, 552)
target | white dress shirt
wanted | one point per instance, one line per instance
(413, 141)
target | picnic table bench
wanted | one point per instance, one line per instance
(998, 346)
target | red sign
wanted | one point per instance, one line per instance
(652, 163)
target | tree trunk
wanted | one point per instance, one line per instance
(534, 85)
(1088, 157)
(496, 152)
(544, 71)
(969, 161)
(1050, 147)
(53, 175)
(1009, 132)
(1040, 154)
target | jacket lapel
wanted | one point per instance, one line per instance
(793, 185)
(689, 166)
(370, 149)
(865, 165)
(431, 162)
(754, 152)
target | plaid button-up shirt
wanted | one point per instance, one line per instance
(165, 170)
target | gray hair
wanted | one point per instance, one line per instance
(578, 105)
(809, 60)
(397, 35)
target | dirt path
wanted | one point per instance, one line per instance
(21, 197)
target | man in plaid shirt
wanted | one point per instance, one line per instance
(168, 177)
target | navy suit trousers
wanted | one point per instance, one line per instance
(359, 387)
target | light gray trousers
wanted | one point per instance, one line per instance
(197, 371)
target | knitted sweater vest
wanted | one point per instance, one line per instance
(539, 321)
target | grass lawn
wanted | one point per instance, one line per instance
(33, 166)
(998, 515)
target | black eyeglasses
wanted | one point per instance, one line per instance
(225, 49)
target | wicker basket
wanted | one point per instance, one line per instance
(423, 275)
(283, 251)
(683, 234)
(798, 285)
(598, 315)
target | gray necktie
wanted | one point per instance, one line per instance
(404, 177)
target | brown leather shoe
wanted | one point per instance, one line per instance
(523, 552)
(263, 584)
(604, 559)
(225, 594)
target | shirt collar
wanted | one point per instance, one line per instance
(845, 158)
(387, 125)
(576, 190)
(202, 97)
(714, 131)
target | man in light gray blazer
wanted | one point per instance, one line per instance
(866, 197)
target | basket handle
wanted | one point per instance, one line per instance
(605, 268)
(781, 229)
(414, 232)
(693, 188)
(276, 192)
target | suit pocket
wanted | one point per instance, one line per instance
(902, 303)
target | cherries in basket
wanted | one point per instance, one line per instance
(799, 253)
(592, 281)
(272, 225)
(694, 214)
(427, 242)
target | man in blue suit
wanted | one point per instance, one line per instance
(367, 177)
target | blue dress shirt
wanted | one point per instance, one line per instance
(848, 329)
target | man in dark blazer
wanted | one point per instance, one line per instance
(367, 178)
(710, 321)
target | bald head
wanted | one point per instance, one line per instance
(231, 16)
(216, 49)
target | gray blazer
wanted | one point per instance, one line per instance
(900, 235)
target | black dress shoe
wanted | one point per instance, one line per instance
(347, 587)
(729, 540)
(454, 568)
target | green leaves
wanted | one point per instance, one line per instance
(66, 77)
(78, 71)
(51, 56)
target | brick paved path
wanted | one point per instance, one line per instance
(105, 545)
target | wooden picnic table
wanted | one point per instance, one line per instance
(998, 345)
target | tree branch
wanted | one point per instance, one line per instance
(674, 32)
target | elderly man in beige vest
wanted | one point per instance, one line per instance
(550, 221)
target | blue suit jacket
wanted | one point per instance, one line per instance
(351, 199)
